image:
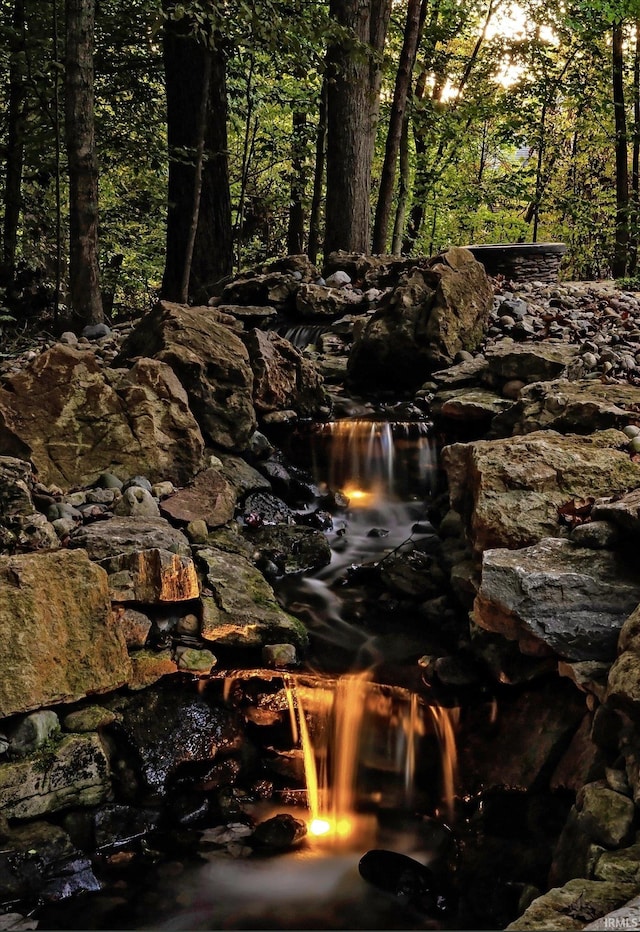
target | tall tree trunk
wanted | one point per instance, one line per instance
(295, 229)
(15, 143)
(403, 187)
(394, 133)
(84, 272)
(186, 62)
(620, 256)
(318, 176)
(352, 110)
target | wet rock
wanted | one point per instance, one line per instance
(211, 363)
(241, 476)
(589, 675)
(196, 661)
(149, 666)
(283, 378)
(434, 312)
(571, 906)
(537, 728)
(128, 535)
(580, 761)
(151, 576)
(209, 498)
(39, 862)
(74, 772)
(508, 491)
(239, 606)
(279, 655)
(55, 613)
(281, 832)
(557, 596)
(171, 728)
(414, 574)
(261, 508)
(291, 548)
(72, 419)
(407, 879)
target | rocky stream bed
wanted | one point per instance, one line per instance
(159, 519)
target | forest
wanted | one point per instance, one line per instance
(158, 148)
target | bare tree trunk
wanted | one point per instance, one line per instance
(84, 272)
(15, 143)
(403, 188)
(318, 176)
(620, 257)
(295, 229)
(394, 134)
(352, 110)
(186, 62)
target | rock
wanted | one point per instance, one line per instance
(96, 331)
(277, 288)
(626, 917)
(508, 491)
(280, 832)
(261, 508)
(578, 407)
(623, 512)
(589, 675)
(529, 362)
(435, 311)
(148, 666)
(412, 573)
(571, 906)
(239, 606)
(69, 338)
(600, 535)
(241, 476)
(338, 279)
(605, 816)
(325, 300)
(137, 503)
(32, 732)
(462, 375)
(135, 626)
(209, 498)
(55, 616)
(16, 480)
(39, 862)
(291, 548)
(407, 879)
(73, 420)
(128, 535)
(559, 597)
(137, 482)
(579, 761)
(162, 489)
(468, 405)
(90, 718)
(211, 363)
(75, 772)
(196, 661)
(250, 315)
(535, 726)
(279, 655)
(151, 576)
(283, 378)
(170, 728)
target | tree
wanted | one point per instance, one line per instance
(199, 248)
(354, 76)
(84, 273)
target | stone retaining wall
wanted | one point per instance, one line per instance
(522, 261)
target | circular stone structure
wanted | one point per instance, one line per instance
(521, 261)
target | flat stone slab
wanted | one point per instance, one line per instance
(104, 539)
(569, 599)
(574, 904)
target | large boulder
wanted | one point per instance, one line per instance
(557, 596)
(210, 498)
(239, 607)
(283, 378)
(509, 490)
(435, 311)
(573, 905)
(58, 634)
(211, 363)
(74, 420)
